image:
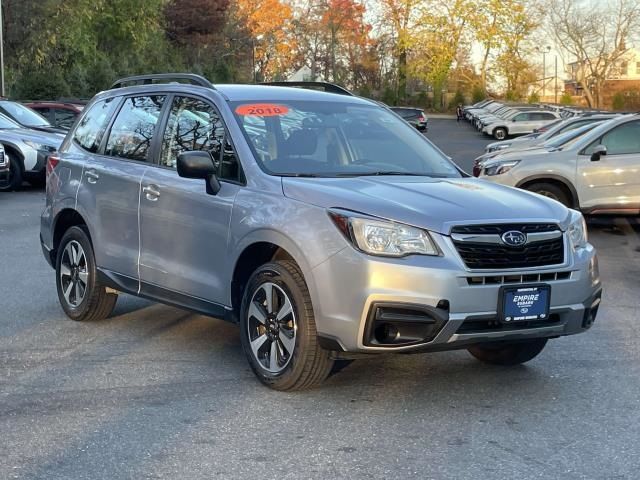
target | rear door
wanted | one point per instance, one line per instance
(111, 182)
(614, 180)
(183, 230)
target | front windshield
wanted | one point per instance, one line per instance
(24, 115)
(310, 138)
(6, 122)
(567, 139)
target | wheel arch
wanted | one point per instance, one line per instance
(65, 219)
(558, 180)
(258, 251)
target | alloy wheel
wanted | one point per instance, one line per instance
(271, 327)
(74, 273)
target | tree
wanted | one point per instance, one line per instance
(269, 25)
(399, 16)
(595, 37)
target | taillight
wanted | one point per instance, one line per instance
(52, 162)
(477, 168)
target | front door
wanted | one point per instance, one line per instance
(184, 231)
(614, 180)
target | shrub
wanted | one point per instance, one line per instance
(566, 99)
(618, 101)
(534, 98)
(477, 94)
(456, 100)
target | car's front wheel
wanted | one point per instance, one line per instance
(80, 293)
(12, 180)
(551, 190)
(508, 353)
(500, 133)
(278, 329)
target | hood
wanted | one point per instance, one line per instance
(18, 134)
(514, 152)
(433, 204)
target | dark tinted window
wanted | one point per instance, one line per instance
(132, 131)
(64, 118)
(623, 139)
(92, 127)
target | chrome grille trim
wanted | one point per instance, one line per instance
(496, 239)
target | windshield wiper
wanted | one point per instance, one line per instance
(379, 173)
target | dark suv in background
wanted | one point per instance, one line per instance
(415, 116)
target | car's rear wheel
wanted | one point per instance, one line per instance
(80, 293)
(508, 353)
(13, 179)
(500, 133)
(550, 190)
(278, 329)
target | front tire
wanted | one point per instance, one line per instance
(81, 295)
(500, 133)
(278, 330)
(13, 179)
(550, 190)
(508, 354)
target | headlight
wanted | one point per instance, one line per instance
(384, 238)
(577, 230)
(502, 146)
(500, 167)
(39, 146)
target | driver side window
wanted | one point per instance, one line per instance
(521, 117)
(193, 125)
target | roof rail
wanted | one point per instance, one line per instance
(164, 78)
(325, 86)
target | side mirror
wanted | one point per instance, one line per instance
(199, 164)
(598, 152)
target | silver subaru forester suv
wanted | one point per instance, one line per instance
(321, 223)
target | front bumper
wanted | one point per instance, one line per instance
(350, 284)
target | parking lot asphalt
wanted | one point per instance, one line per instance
(156, 392)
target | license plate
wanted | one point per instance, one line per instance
(525, 303)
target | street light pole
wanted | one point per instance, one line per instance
(555, 80)
(544, 52)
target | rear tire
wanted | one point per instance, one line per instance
(14, 179)
(551, 191)
(279, 335)
(81, 295)
(500, 133)
(508, 354)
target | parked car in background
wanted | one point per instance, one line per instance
(415, 116)
(520, 124)
(540, 137)
(27, 151)
(4, 167)
(27, 118)
(59, 114)
(321, 223)
(597, 173)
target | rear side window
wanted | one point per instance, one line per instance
(91, 128)
(64, 118)
(132, 131)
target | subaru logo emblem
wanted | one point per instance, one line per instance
(514, 238)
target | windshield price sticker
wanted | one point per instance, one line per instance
(262, 110)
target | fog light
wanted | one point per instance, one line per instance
(386, 333)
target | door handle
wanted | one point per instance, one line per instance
(151, 192)
(92, 176)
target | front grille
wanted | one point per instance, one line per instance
(502, 228)
(497, 256)
(515, 279)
